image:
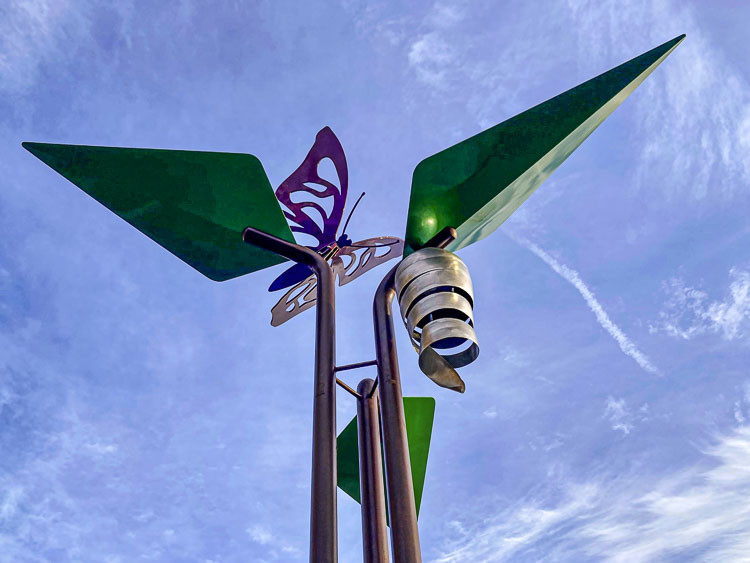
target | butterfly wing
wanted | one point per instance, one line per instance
(360, 257)
(306, 180)
(291, 276)
(299, 298)
(350, 263)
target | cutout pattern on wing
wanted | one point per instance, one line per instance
(350, 263)
(299, 298)
(326, 145)
(353, 261)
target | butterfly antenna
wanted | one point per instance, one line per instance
(343, 231)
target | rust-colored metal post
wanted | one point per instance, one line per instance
(401, 507)
(323, 517)
(372, 490)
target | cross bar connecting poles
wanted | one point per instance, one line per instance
(323, 517)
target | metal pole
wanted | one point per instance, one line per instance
(374, 527)
(401, 507)
(323, 519)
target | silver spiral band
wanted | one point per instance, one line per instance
(436, 298)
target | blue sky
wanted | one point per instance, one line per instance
(149, 414)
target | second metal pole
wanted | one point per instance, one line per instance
(374, 527)
(401, 506)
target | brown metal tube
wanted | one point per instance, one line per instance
(323, 516)
(374, 527)
(401, 507)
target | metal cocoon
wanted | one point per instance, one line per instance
(436, 299)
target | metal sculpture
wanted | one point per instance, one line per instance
(200, 206)
(348, 263)
(349, 260)
(436, 301)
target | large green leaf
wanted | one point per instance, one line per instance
(419, 413)
(347, 460)
(194, 204)
(476, 184)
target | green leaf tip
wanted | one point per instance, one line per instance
(194, 204)
(476, 184)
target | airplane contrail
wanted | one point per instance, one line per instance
(571, 276)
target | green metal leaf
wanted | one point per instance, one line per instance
(347, 460)
(475, 185)
(419, 413)
(194, 204)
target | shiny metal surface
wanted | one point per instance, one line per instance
(436, 298)
(428, 259)
(447, 277)
(422, 309)
(444, 329)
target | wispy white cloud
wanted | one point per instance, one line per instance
(443, 58)
(278, 548)
(571, 276)
(27, 36)
(692, 116)
(738, 415)
(695, 119)
(516, 529)
(430, 56)
(729, 316)
(490, 413)
(99, 448)
(688, 313)
(445, 14)
(260, 534)
(697, 513)
(379, 22)
(617, 413)
(742, 406)
(36, 32)
(9, 504)
(623, 418)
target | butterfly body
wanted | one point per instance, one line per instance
(299, 272)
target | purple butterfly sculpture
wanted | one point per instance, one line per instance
(348, 260)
